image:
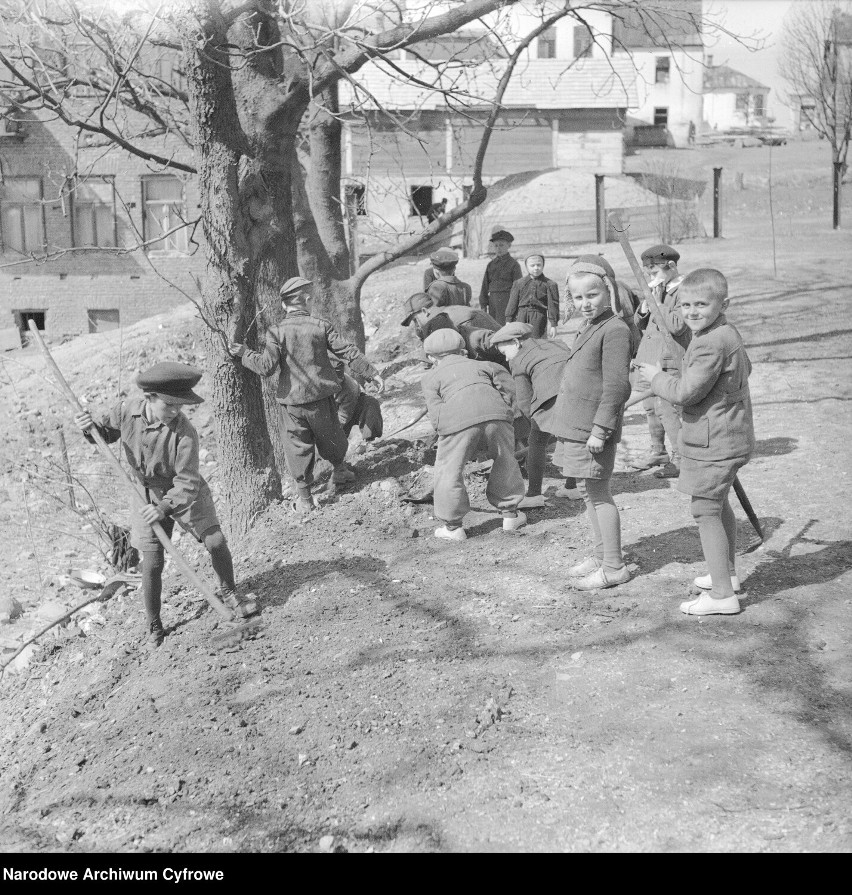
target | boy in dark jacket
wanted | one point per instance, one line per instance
(500, 274)
(446, 288)
(534, 299)
(660, 263)
(717, 432)
(468, 402)
(537, 366)
(298, 348)
(161, 446)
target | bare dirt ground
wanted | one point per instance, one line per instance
(406, 694)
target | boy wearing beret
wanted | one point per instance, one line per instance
(161, 446)
(717, 435)
(446, 288)
(500, 273)
(298, 348)
(660, 263)
(470, 401)
(537, 366)
(534, 299)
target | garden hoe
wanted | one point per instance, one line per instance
(648, 295)
(236, 628)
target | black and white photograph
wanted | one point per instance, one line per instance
(424, 428)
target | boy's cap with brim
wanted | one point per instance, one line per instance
(444, 257)
(502, 234)
(660, 253)
(172, 381)
(415, 303)
(443, 341)
(293, 285)
(515, 330)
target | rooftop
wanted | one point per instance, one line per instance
(536, 84)
(722, 77)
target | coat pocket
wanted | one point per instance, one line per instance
(696, 432)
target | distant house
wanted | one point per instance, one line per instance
(666, 45)
(732, 99)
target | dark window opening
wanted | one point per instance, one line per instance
(547, 44)
(582, 42)
(420, 200)
(663, 69)
(102, 320)
(758, 105)
(661, 116)
(356, 199)
(22, 319)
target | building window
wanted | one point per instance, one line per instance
(420, 201)
(662, 70)
(742, 103)
(22, 319)
(547, 44)
(356, 199)
(102, 320)
(22, 214)
(759, 109)
(93, 210)
(582, 42)
(661, 116)
(165, 214)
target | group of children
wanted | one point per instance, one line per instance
(496, 380)
(688, 361)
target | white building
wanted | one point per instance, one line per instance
(732, 99)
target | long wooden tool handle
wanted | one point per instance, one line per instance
(194, 579)
(647, 292)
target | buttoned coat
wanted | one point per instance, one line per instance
(654, 347)
(537, 370)
(539, 293)
(500, 273)
(713, 391)
(461, 393)
(298, 347)
(595, 382)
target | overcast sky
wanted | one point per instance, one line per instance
(763, 18)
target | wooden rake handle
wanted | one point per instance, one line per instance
(134, 489)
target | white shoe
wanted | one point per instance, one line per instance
(513, 523)
(532, 503)
(451, 534)
(706, 605)
(569, 493)
(585, 567)
(704, 582)
(601, 578)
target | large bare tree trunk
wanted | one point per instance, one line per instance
(248, 474)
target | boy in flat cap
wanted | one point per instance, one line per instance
(468, 402)
(537, 366)
(660, 263)
(446, 288)
(472, 325)
(161, 446)
(500, 273)
(298, 348)
(534, 299)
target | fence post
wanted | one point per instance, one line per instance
(717, 203)
(600, 210)
(838, 175)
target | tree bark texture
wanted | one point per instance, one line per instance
(249, 478)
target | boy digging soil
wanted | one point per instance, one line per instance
(161, 446)
(717, 432)
(469, 401)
